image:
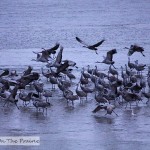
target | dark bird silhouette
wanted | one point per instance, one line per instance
(48, 52)
(42, 58)
(62, 67)
(110, 54)
(12, 96)
(135, 48)
(28, 71)
(109, 58)
(131, 65)
(25, 80)
(5, 85)
(40, 104)
(109, 109)
(25, 98)
(38, 87)
(70, 97)
(91, 47)
(130, 97)
(46, 74)
(58, 59)
(47, 94)
(80, 93)
(45, 54)
(5, 72)
(10, 99)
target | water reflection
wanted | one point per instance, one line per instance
(40, 116)
(103, 119)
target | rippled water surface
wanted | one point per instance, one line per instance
(28, 25)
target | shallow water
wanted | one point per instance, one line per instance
(27, 26)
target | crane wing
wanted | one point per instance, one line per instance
(110, 54)
(80, 41)
(98, 44)
(55, 47)
(59, 56)
(99, 107)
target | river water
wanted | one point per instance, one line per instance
(28, 25)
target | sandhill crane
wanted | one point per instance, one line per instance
(61, 86)
(70, 97)
(41, 58)
(62, 67)
(100, 99)
(32, 76)
(112, 71)
(130, 97)
(43, 105)
(25, 98)
(13, 74)
(5, 94)
(136, 88)
(130, 65)
(65, 83)
(89, 70)
(47, 94)
(135, 48)
(70, 63)
(129, 72)
(66, 92)
(86, 90)
(98, 86)
(108, 62)
(83, 80)
(47, 52)
(133, 79)
(80, 93)
(124, 76)
(139, 67)
(14, 91)
(58, 59)
(86, 75)
(28, 71)
(110, 54)
(109, 109)
(38, 87)
(52, 50)
(93, 77)
(96, 72)
(99, 74)
(5, 72)
(104, 83)
(25, 80)
(91, 47)
(70, 76)
(109, 57)
(46, 74)
(5, 85)
(53, 81)
(112, 78)
(10, 99)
